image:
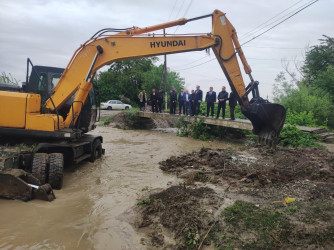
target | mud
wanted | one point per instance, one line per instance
(214, 179)
(94, 210)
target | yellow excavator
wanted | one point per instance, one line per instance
(59, 117)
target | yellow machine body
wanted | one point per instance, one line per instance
(22, 110)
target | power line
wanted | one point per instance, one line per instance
(184, 14)
(179, 9)
(280, 22)
(251, 31)
(170, 15)
(196, 65)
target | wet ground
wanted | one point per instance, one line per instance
(94, 210)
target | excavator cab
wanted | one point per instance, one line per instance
(43, 79)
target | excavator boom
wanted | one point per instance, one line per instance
(103, 49)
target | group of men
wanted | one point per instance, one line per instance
(190, 103)
(156, 100)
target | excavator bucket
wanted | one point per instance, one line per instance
(267, 119)
(20, 185)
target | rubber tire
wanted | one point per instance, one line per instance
(109, 108)
(40, 166)
(56, 170)
(126, 108)
(96, 150)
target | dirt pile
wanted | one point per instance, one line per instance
(253, 167)
(246, 207)
(184, 211)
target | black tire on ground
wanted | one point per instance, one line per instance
(96, 150)
(40, 166)
(126, 107)
(109, 108)
(56, 170)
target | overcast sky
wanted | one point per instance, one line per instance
(50, 31)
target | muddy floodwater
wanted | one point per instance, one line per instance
(94, 208)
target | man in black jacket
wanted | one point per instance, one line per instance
(222, 97)
(192, 104)
(198, 100)
(232, 102)
(210, 100)
(181, 102)
(160, 100)
(154, 99)
(173, 100)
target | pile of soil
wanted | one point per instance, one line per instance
(261, 178)
(184, 211)
(253, 167)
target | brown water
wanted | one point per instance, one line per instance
(94, 208)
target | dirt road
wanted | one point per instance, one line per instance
(94, 208)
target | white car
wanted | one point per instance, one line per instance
(114, 104)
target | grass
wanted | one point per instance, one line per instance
(106, 120)
(264, 229)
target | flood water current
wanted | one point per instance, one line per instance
(94, 208)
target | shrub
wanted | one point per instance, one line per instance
(294, 137)
(200, 131)
(302, 119)
(182, 127)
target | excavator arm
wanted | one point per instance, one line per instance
(101, 50)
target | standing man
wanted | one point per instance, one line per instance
(154, 99)
(181, 102)
(173, 100)
(192, 104)
(160, 100)
(222, 97)
(187, 102)
(232, 102)
(198, 100)
(142, 100)
(210, 100)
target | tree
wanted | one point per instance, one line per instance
(128, 77)
(8, 79)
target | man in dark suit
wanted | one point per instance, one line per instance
(160, 100)
(192, 104)
(181, 102)
(222, 98)
(154, 99)
(198, 100)
(187, 102)
(232, 102)
(173, 100)
(210, 100)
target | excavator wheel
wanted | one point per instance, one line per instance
(96, 150)
(39, 166)
(56, 169)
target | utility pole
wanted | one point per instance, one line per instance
(165, 76)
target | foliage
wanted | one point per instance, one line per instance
(301, 101)
(182, 127)
(8, 79)
(132, 119)
(294, 137)
(125, 79)
(315, 91)
(144, 202)
(302, 119)
(200, 131)
(106, 120)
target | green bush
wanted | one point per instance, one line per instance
(302, 118)
(182, 127)
(294, 137)
(132, 119)
(200, 131)
(237, 111)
